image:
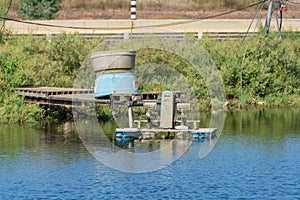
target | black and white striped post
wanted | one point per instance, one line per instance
(133, 10)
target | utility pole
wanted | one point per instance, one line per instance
(132, 15)
(133, 10)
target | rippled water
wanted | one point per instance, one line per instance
(257, 157)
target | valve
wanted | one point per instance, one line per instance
(283, 8)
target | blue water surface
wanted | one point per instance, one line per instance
(254, 159)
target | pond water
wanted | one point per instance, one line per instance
(256, 157)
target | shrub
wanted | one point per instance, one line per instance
(29, 61)
(39, 9)
(14, 110)
(4, 7)
(68, 51)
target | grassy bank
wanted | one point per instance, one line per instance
(270, 71)
(28, 61)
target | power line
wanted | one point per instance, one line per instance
(207, 17)
(8, 5)
(255, 15)
(244, 56)
(137, 27)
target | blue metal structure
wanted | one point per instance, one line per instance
(114, 73)
(120, 83)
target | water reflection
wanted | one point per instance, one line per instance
(58, 144)
(267, 125)
(136, 157)
(248, 161)
(264, 126)
(12, 137)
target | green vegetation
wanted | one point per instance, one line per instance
(39, 9)
(4, 8)
(13, 109)
(29, 61)
(271, 71)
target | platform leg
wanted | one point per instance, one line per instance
(130, 117)
(168, 137)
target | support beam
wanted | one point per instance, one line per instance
(130, 118)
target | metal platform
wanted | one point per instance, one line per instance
(58, 96)
(83, 97)
(164, 102)
(200, 133)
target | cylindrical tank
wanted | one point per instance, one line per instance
(114, 73)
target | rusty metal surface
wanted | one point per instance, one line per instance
(48, 91)
(77, 96)
(113, 61)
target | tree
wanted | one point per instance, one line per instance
(39, 9)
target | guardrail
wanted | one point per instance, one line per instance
(178, 35)
(124, 29)
(140, 26)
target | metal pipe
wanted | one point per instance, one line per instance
(130, 118)
(269, 17)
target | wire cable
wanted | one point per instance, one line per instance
(255, 15)
(244, 56)
(279, 22)
(5, 14)
(136, 27)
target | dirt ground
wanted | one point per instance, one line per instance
(68, 12)
(121, 14)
